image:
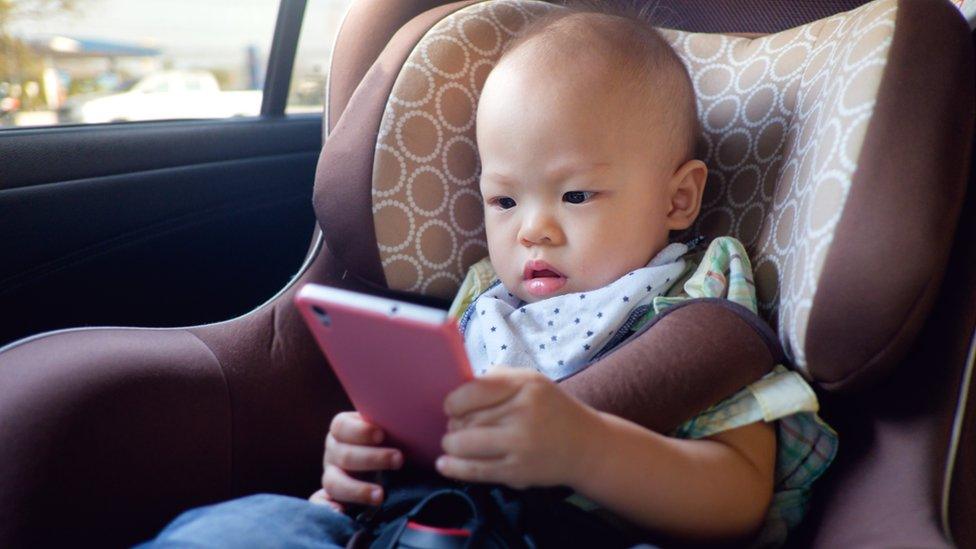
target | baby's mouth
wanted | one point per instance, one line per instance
(541, 279)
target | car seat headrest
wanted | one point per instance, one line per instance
(796, 129)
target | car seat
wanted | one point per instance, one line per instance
(838, 153)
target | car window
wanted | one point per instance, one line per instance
(99, 61)
(319, 29)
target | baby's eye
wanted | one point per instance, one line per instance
(504, 202)
(577, 197)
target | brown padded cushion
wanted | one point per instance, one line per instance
(342, 180)
(892, 242)
(106, 433)
(649, 380)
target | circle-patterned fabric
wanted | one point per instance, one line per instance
(783, 119)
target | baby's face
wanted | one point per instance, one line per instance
(576, 194)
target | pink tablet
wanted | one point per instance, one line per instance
(396, 361)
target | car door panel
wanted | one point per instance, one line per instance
(151, 224)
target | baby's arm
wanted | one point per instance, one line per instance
(714, 488)
(519, 428)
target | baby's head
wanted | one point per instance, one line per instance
(586, 130)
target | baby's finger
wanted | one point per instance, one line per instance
(481, 418)
(352, 428)
(483, 392)
(471, 470)
(343, 488)
(354, 457)
(321, 498)
(478, 443)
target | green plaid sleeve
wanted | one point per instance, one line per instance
(806, 445)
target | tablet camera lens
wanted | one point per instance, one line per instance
(394, 309)
(322, 315)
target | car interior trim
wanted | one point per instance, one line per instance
(126, 237)
(281, 60)
(958, 420)
(221, 163)
(308, 261)
(189, 143)
(313, 253)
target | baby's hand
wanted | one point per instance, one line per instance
(351, 446)
(518, 428)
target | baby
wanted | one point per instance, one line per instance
(586, 130)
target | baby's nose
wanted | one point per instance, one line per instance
(540, 229)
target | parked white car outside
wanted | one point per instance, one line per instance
(163, 95)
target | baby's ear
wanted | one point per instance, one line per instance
(686, 188)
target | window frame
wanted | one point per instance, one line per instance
(277, 82)
(281, 59)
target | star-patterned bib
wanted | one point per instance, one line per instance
(560, 335)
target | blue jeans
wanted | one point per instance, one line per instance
(267, 520)
(262, 520)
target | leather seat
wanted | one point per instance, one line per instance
(845, 185)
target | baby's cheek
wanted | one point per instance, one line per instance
(608, 268)
(512, 286)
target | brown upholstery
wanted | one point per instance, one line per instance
(891, 485)
(113, 426)
(342, 192)
(105, 434)
(905, 209)
(613, 389)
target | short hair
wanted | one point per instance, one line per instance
(626, 42)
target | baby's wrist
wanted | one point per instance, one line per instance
(590, 451)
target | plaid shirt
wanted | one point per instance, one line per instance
(805, 444)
